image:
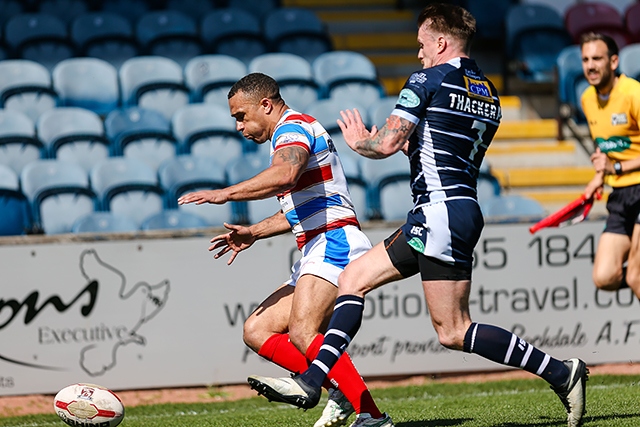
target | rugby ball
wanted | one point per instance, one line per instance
(88, 405)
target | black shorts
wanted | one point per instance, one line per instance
(624, 210)
(409, 262)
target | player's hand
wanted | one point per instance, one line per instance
(353, 128)
(595, 187)
(236, 241)
(601, 162)
(216, 197)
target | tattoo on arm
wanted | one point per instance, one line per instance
(395, 133)
(296, 156)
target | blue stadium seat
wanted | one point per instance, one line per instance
(25, 86)
(489, 16)
(73, 135)
(194, 9)
(169, 33)
(209, 77)
(381, 109)
(389, 193)
(104, 35)
(127, 187)
(293, 74)
(104, 222)
(8, 9)
(129, 9)
(233, 32)
(488, 187)
(173, 220)
(242, 169)
(39, 37)
(16, 213)
(59, 193)
(89, 83)
(19, 144)
(64, 10)
(632, 21)
(630, 61)
(188, 173)
(141, 134)
(512, 208)
(599, 17)
(535, 36)
(153, 82)
(347, 75)
(298, 31)
(571, 83)
(357, 185)
(207, 130)
(258, 8)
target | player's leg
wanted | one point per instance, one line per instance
(266, 331)
(633, 265)
(612, 252)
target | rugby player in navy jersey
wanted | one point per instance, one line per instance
(445, 117)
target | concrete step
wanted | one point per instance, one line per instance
(528, 129)
(558, 176)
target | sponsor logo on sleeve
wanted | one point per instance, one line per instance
(408, 98)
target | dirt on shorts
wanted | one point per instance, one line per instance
(43, 403)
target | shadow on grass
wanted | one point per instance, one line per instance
(551, 423)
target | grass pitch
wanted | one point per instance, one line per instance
(611, 401)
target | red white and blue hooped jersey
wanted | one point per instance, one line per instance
(320, 201)
(457, 112)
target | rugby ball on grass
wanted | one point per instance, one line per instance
(88, 405)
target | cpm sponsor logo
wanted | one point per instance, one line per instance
(104, 290)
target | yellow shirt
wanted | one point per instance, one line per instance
(613, 124)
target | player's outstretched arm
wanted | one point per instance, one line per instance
(218, 197)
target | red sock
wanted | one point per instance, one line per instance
(279, 350)
(349, 381)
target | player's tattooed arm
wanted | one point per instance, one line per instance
(295, 156)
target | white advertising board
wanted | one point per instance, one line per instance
(148, 313)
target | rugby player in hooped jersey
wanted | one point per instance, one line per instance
(448, 112)
(306, 175)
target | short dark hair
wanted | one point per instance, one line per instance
(451, 20)
(258, 86)
(612, 46)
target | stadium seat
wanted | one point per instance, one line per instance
(16, 213)
(389, 194)
(233, 32)
(140, 134)
(127, 187)
(19, 144)
(104, 222)
(129, 9)
(194, 9)
(489, 16)
(535, 36)
(188, 173)
(104, 35)
(38, 37)
(347, 75)
(357, 186)
(8, 9)
(207, 130)
(488, 187)
(381, 109)
(298, 31)
(209, 77)
(240, 170)
(293, 74)
(169, 33)
(64, 10)
(74, 135)
(571, 82)
(258, 8)
(632, 21)
(25, 87)
(630, 61)
(512, 208)
(153, 82)
(59, 193)
(89, 83)
(173, 220)
(598, 17)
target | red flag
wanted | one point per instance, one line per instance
(573, 213)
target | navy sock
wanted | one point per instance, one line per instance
(345, 323)
(506, 348)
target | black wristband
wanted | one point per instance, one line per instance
(617, 167)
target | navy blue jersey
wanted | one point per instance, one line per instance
(457, 112)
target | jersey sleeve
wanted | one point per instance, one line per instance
(414, 97)
(290, 134)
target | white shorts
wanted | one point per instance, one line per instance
(327, 254)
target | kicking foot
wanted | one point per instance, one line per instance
(573, 392)
(293, 391)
